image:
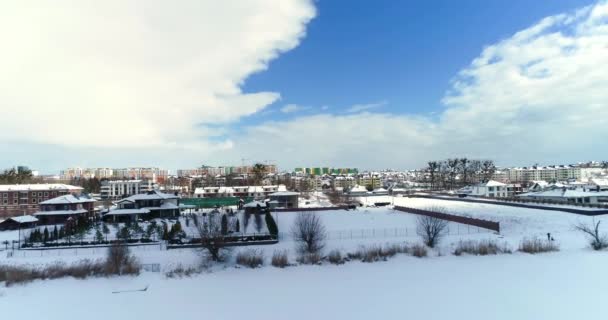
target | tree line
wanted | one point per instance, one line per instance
(458, 172)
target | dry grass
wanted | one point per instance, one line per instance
(251, 258)
(418, 250)
(280, 259)
(537, 245)
(335, 257)
(118, 262)
(180, 271)
(481, 248)
(309, 258)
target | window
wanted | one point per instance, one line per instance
(5, 201)
(46, 194)
(15, 201)
(33, 200)
(40, 194)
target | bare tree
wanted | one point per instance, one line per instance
(431, 229)
(309, 233)
(598, 241)
(211, 237)
(487, 170)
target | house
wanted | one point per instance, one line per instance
(58, 210)
(19, 199)
(153, 204)
(20, 222)
(285, 199)
(491, 189)
(380, 192)
(564, 195)
(358, 191)
(258, 192)
(539, 185)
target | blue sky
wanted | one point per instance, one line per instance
(367, 84)
(400, 54)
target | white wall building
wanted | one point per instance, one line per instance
(118, 189)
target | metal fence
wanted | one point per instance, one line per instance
(382, 233)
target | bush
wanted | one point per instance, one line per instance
(180, 271)
(251, 258)
(418, 250)
(536, 245)
(481, 248)
(597, 240)
(309, 258)
(431, 229)
(335, 257)
(119, 260)
(280, 259)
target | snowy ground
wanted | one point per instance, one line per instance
(563, 285)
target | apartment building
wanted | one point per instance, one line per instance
(119, 189)
(19, 199)
(549, 173)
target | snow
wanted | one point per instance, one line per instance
(564, 285)
(24, 219)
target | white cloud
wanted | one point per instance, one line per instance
(365, 107)
(291, 108)
(538, 96)
(137, 73)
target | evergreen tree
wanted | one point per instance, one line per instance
(55, 233)
(224, 225)
(271, 224)
(99, 236)
(165, 234)
(45, 237)
(238, 225)
(61, 233)
(105, 230)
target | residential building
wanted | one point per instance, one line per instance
(58, 210)
(491, 189)
(257, 192)
(564, 195)
(20, 199)
(19, 222)
(118, 189)
(152, 204)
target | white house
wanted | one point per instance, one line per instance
(564, 195)
(491, 189)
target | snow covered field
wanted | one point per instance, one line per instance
(561, 285)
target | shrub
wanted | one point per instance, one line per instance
(309, 258)
(119, 260)
(280, 259)
(418, 250)
(536, 245)
(251, 258)
(180, 271)
(309, 233)
(481, 248)
(335, 257)
(596, 240)
(431, 229)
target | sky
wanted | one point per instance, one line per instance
(367, 84)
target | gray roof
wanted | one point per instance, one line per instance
(120, 212)
(68, 199)
(153, 195)
(284, 194)
(60, 212)
(24, 219)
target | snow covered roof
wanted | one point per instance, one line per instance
(493, 183)
(358, 189)
(24, 219)
(254, 204)
(284, 194)
(119, 212)
(60, 212)
(578, 193)
(168, 205)
(68, 199)
(152, 195)
(38, 187)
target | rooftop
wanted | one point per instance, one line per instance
(38, 187)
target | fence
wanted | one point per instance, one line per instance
(385, 233)
(95, 252)
(311, 209)
(591, 212)
(486, 224)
